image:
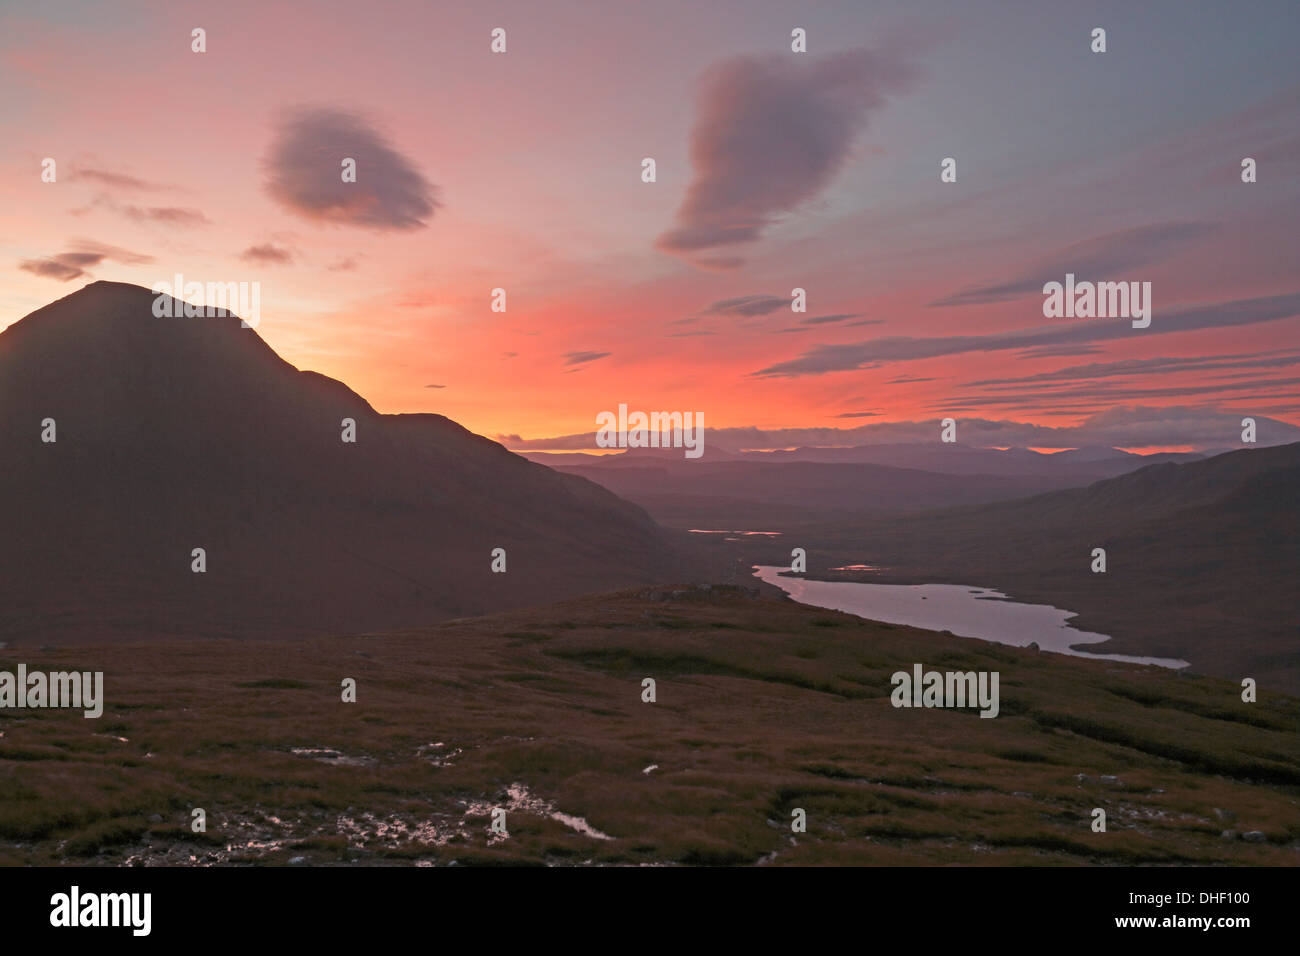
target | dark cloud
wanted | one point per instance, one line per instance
(1099, 259)
(435, 386)
(305, 165)
(771, 132)
(67, 266)
(836, 358)
(64, 267)
(267, 254)
(858, 415)
(580, 358)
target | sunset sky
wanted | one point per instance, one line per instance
(775, 170)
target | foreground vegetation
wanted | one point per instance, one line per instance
(763, 706)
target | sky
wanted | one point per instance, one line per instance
(774, 170)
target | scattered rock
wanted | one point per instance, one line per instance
(1254, 836)
(1227, 816)
(1033, 646)
(1229, 834)
(1082, 777)
(155, 818)
(1109, 779)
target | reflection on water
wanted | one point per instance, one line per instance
(965, 611)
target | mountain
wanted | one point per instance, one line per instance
(1073, 466)
(793, 486)
(1202, 558)
(745, 493)
(1076, 465)
(183, 433)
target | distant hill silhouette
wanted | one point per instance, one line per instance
(183, 433)
(794, 486)
(1059, 469)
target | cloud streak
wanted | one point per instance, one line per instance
(839, 358)
(1102, 258)
(267, 254)
(582, 358)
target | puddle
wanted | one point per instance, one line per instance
(332, 757)
(437, 755)
(520, 800)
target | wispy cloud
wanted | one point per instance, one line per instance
(267, 254)
(167, 215)
(1102, 258)
(581, 358)
(1152, 366)
(114, 180)
(747, 305)
(66, 266)
(836, 358)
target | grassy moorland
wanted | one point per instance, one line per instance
(763, 706)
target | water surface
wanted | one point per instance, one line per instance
(966, 611)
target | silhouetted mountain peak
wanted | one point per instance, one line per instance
(181, 432)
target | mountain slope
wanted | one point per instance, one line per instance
(183, 433)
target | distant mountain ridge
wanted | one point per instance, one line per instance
(183, 433)
(807, 484)
(1078, 465)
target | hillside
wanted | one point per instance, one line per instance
(1202, 558)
